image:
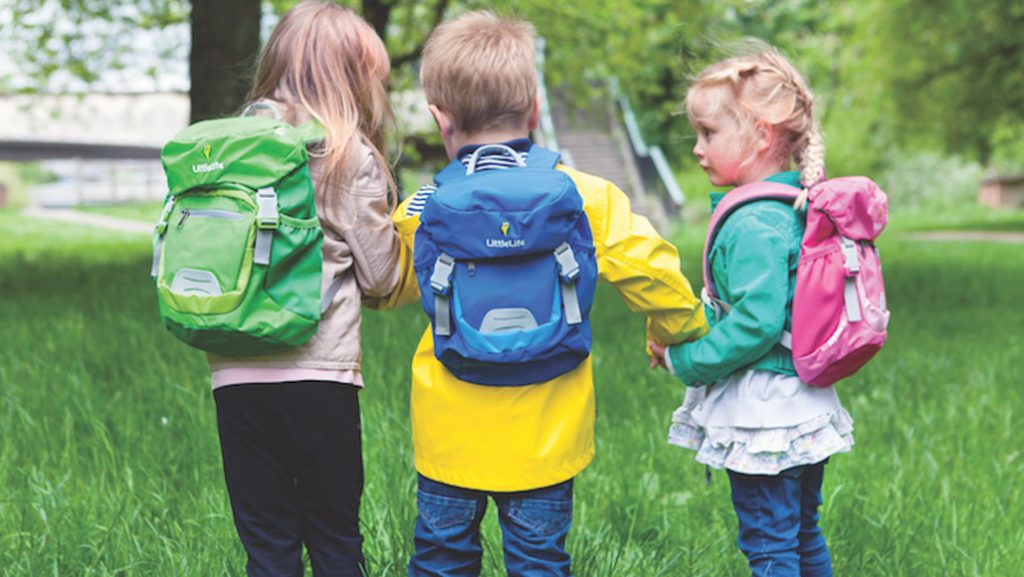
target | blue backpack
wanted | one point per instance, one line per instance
(506, 268)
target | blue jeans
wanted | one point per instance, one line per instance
(534, 525)
(778, 517)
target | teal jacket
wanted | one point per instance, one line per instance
(753, 261)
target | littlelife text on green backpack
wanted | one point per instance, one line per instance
(236, 252)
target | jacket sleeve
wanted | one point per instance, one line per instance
(406, 288)
(366, 228)
(757, 258)
(642, 266)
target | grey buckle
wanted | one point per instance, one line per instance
(786, 340)
(158, 242)
(440, 279)
(161, 225)
(267, 216)
(852, 263)
(717, 306)
(568, 268)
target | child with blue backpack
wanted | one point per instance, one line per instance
(504, 250)
(755, 405)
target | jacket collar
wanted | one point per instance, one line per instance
(518, 145)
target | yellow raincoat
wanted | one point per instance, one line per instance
(520, 438)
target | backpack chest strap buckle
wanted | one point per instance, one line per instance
(568, 268)
(441, 278)
(158, 242)
(568, 272)
(267, 220)
(267, 216)
(441, 283)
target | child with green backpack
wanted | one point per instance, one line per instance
(275, 227)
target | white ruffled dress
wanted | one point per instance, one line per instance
(761, 422)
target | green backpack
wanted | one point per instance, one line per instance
(236, 253)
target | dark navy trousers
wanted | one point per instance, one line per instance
(293, 464)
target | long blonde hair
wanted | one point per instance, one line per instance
(764, 86)
(324, 60)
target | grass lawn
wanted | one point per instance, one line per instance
(111, 466)
(148, 211)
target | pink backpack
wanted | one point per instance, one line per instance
(839, 311)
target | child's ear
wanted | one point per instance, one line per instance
(765, 136)
(444, 123)
(534, 120)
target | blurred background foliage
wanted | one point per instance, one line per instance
(904, 87)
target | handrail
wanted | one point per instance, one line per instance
(546, 130)
(642, 150)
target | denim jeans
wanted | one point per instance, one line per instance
(534, 525)
(778, 518)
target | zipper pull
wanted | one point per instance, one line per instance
(471, 266)
(184, 214)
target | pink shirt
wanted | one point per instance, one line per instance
(245, 375)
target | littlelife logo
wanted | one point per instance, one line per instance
(208, 167)
(505, 243)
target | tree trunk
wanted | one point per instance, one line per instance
(225, 46)
(378, 13)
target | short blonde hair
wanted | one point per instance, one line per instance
(481, 69)
(764, 86)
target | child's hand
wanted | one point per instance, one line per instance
(658, 352)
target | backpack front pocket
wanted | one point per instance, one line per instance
(206, 263)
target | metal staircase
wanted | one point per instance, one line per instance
(602, 137)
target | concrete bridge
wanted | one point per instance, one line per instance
(104, 148)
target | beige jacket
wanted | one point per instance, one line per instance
(361, 248)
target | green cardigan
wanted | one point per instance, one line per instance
(753, 261)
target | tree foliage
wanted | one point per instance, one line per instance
(953, 69)
(940, 74)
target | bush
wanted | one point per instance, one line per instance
(929, 182)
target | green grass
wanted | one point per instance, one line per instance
(110, 462)
(973, 218)
(148, 211)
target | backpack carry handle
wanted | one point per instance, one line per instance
(252, 107)
(471, 165)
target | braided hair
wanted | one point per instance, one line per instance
(764, 86)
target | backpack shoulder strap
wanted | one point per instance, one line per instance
(542, 157)
(730, 203)
(454, 169)
(311, 132)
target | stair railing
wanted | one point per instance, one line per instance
(654, 168)
(545, 133)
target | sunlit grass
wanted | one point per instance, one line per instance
(110, 462)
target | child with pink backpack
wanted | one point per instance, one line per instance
(794, 290)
